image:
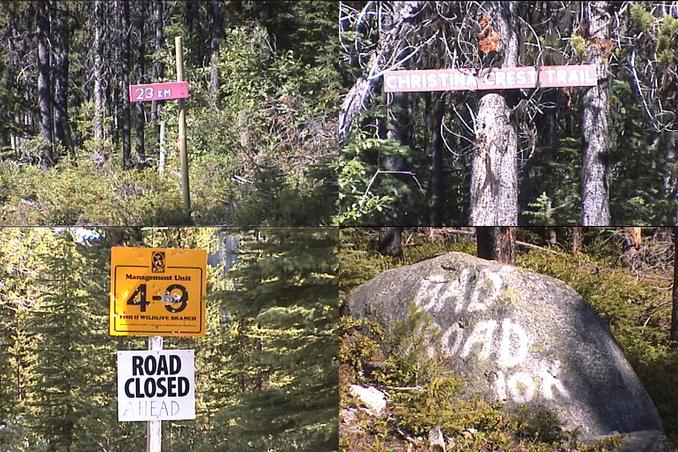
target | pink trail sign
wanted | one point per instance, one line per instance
(489, 79)
(158, 91)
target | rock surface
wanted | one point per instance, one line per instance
(518, 336)
(371, 397)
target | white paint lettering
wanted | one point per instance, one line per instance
(481, 334)
(549, 74)
(513, 348)
(560, 76)
(445, 80)
(532, 75)
(549, 381)
(431, 81)
(573, 77)
(501, 78)
(521, 387)
(495, 286)
(500, 386)
(391, 81)
(521, 77)
(458, 338)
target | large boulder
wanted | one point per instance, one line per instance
(517, 336)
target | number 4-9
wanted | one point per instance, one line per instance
(176, 293)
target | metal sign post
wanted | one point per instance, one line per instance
(154, 428)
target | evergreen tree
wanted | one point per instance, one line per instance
(286, 299)
(63, 373)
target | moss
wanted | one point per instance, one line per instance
(641, 17)
(578, 44)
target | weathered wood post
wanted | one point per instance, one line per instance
(154, 428)
(186, 196)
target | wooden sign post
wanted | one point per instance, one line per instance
(178, 90)
(186, 196)
(157, 292)
(154, 428)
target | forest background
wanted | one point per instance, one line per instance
(261, 118)
(266, 370)
(558, 156)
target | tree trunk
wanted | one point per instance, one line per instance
(44, 89)
(496, 243)
(390, 241)
(141, 62)
(361, 94)
(125, 56)
(494, 172)
(670, 176)
(434, 117)
(595, 128)
(216, 34)
(633, 240)
(674, 311)
(576, 239)
(190, 17)
(98, 123)
(159, 38)
(60, 58)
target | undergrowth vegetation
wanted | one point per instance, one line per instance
(424, 396)
(262, 156)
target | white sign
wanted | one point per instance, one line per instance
(156, 385)
(489, 79)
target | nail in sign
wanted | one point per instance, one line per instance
(158, 91)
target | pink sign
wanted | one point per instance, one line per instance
(158, 91)
(495, 78)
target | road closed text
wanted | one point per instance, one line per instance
(169, 384)
(156, 385)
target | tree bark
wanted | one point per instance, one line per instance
(159, 37)
(140, 69)
(125, 56)
(595, 127)
(360, 96)
(390, 241)
(99, 101)
(44, 89)
(216, 35)
(60, 57)
(494, 172)
(670, 176)
(434, 117)
(633, 240)
(576, 239)
(674, 310)
(496, 243)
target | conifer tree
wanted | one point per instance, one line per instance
(63, 373)
(287, 301)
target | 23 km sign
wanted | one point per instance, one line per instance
(157, 292)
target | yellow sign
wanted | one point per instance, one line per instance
(157, 292)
